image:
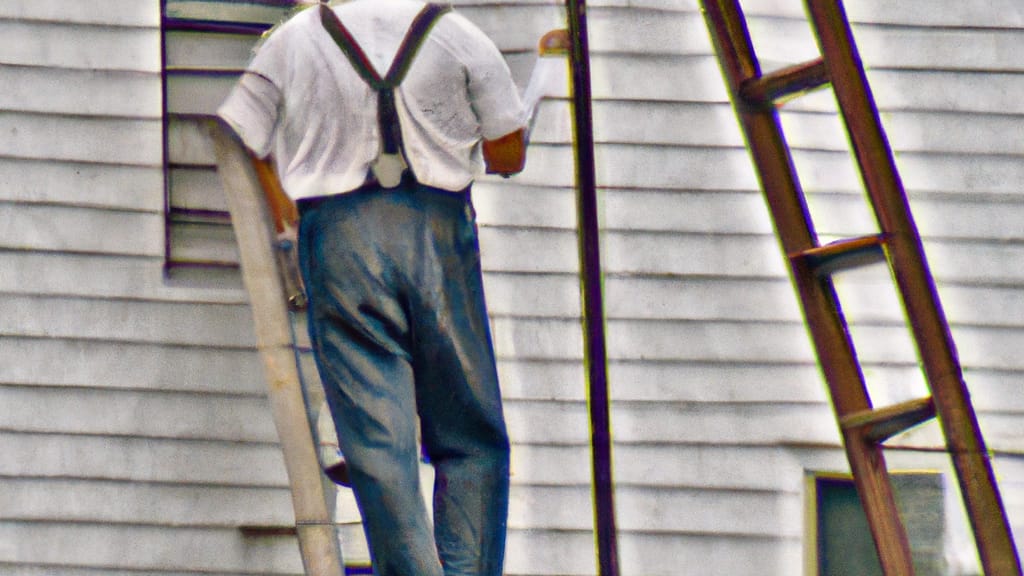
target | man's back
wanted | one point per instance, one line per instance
(323, 128)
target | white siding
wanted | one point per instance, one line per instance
(134, 431)
(707, 343)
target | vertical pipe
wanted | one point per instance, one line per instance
(970, 457)
(164, 150)
(595, 352)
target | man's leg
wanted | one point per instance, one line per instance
(360, 338)
(458, 395)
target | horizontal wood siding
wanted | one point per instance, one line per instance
(135, 434)
(699, 301)
(134, 427)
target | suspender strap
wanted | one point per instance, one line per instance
(418, 30)
(387, 114)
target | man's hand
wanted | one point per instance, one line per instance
(506, 155)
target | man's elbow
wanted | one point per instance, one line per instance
(506, 155)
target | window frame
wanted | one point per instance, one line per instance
(813, 511)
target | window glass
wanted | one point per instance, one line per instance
(844, 546)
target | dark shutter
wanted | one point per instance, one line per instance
(206, 45)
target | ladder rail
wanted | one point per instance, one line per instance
(312, 499)
(820, 304)
(863, 429)
(917, 288)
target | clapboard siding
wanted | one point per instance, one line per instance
(567, 553)
(532, 20)
(703, 168)
(81, 138)
(680, 380)
(549, 552)
(719, 556)
(712, 382)
(686, 237)
(732, 512)
(44, 228)
(191, 550)
(28, 361)
(127, 13)
(28, 500)
(112, 92)
(23, 570)
(665, 210)
(137, 459)
(893, 44)
(915, 131)
(722, 466)
(101, 47)
(133, 441)
(112, 274)
(713, 256)
(640, 252)
(181, 323)
(667, 423)
(93, 185)
(115, 381)
(144, 414)
(967, 14)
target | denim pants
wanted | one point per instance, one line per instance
(399, 329)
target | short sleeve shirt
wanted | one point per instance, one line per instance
(302, 101)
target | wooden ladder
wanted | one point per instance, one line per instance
(863, 428)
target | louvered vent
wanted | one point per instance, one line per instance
(207, 45)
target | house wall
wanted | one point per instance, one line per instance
(719, 411)
(134, 428)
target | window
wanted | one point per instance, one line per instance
(206, 46)
(840, 543)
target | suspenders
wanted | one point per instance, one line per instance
(389, 166)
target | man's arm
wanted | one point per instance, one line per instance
(506, 155)
(282, 208)
(232, 155)
(286, 215)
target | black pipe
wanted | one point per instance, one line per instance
(214, 26)
(595, 352)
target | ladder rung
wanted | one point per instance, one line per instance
(844, 254)
(883, 423)
(764, 91)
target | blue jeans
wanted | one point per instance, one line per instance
(399, 328)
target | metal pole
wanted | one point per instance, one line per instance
(595, 352)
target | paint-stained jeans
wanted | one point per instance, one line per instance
(399, 328)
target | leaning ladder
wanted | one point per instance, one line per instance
(863, 428)
(312, 494)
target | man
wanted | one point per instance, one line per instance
(390, 259)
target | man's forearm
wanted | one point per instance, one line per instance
(506, 155)
(282, 208)
(286, 215)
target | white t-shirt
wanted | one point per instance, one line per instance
(303, 102)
